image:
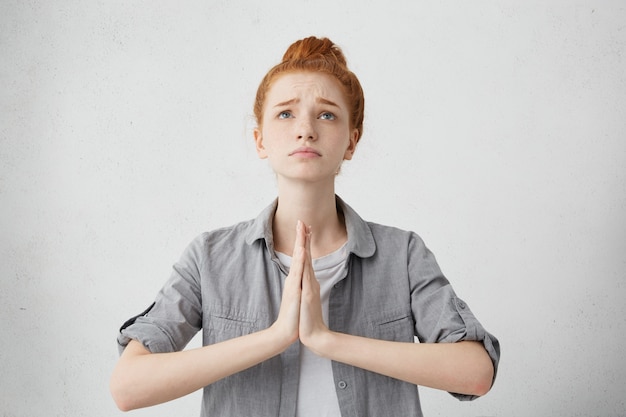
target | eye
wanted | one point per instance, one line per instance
(327, 116)
(285, 114)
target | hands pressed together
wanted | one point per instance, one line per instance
(141, 378)
(300, 315)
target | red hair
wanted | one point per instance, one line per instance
(316, 55)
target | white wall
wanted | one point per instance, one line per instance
(496, 130)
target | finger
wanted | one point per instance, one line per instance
(309, 282)
(307, 247)
(300, 235)
(297, 264)
(297, 259)
(308, 274)
(308, 240)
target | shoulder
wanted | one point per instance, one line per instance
(371, 238)
(399, 244)
(386, 230)
(222, 240)
(229, 235)
(390, 234)
(235, 240)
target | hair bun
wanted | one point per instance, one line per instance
(315, 48)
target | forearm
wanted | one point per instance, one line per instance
(141, 378)
(463, 367)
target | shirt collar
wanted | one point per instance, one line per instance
(360, 238)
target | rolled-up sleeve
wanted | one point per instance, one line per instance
(440, 316)
(176, 314)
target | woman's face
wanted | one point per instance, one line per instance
(305, 132)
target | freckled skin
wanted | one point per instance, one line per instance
(308, 112)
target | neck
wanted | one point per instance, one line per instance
(315, 206)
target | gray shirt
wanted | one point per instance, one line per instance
(229, 283)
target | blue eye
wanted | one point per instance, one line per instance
(327, 116)
(284, 114)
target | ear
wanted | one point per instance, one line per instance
(258, 140)
(354, 139)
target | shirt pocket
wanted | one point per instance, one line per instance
(394, 325)
(225, 325)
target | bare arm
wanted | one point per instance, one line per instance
(463, 367)
(142, 378)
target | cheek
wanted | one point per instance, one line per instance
(269, 137)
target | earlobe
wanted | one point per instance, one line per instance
(258, 140)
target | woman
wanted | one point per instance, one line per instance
(307, 310)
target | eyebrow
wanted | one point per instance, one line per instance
(320, 100)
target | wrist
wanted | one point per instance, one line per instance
(323, 344)
(281, 337)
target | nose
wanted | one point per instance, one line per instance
(306, 130)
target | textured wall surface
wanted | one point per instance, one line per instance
(495, 130)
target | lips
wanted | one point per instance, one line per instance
(305, 151)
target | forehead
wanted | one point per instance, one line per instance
(302, 85)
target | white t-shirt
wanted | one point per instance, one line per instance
(316, 390)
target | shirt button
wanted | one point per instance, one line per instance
(338, 285)
(462, 305)
(342, 384)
